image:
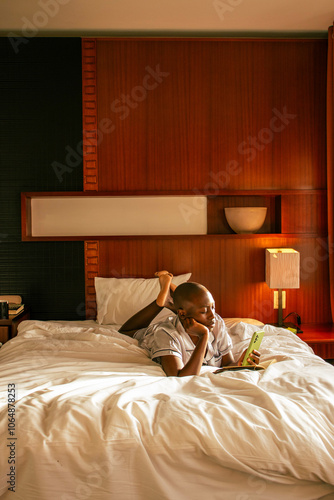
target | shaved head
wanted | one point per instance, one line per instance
(186, 293)
(193, 302)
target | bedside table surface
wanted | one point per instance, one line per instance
(8, 327)
(320, 337)
(14, 317)
(317, 332)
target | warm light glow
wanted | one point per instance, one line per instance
(282, 268)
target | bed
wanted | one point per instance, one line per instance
(87, 415)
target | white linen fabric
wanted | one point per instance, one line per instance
(96, 418)
(170, 338)
(118, 299)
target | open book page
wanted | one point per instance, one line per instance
(261, 366)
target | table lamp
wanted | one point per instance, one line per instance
(282, 271)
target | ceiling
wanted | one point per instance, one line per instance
(108, 17)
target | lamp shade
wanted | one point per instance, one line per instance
(282, 268)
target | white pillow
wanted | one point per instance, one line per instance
(118, 299)
(229, 322)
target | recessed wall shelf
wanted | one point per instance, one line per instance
(217, 223)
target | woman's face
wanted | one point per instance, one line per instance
(201, 308)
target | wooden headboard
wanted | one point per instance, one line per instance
(239, 121)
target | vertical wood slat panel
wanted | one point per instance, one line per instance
(228, 115)
(202, 114)
(91, 271)
(89, 115)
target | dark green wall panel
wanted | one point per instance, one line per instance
(40, 122)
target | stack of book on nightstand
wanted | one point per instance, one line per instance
(15, 304)
(14, 308)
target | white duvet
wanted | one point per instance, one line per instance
(95, 418)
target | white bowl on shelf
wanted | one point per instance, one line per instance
(245, 220)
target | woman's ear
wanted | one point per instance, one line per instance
(182, 313)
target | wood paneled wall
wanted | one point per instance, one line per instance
(191, 114)
(233, 269)
(206, 115)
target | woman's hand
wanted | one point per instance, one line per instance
(253, 358)
(192, 327)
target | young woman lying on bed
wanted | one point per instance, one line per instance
(197, 335)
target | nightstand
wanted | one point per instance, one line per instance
(8, 327)
(319, 336)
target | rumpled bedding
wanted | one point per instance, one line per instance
(96, 418)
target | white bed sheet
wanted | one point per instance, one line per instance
(96, 418)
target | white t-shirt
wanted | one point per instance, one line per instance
(169, 338)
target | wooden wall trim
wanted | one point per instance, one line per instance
(89, 115)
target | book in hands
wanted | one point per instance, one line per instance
(254, 344)
(261, 366)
